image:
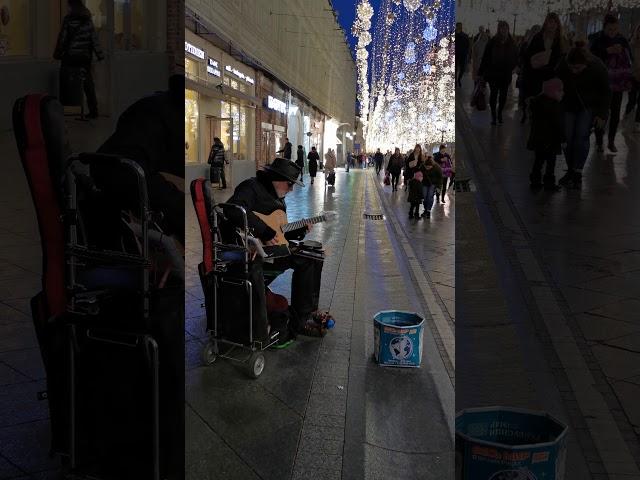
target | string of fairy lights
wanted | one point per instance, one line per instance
(406, 87)
(473, 13)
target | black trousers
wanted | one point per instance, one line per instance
(498, 96)
(378, 168)
(87, 82)
(614, 119)
(633, 101)
(543, 157)
(220, 169)
(395, 178)
(414, 209)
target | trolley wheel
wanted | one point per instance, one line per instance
(255, 365)
(209, 354)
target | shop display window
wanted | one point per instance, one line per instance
(191, 118)
(238, 136)
(191, 68)
(129, 25)
(15, 31)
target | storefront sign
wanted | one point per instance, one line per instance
(277, 105)
(193, 50)
(212, 67)
(239, 74)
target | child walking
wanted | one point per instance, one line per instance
(416, 195)
(547, 134)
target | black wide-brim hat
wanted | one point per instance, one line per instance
(285, 168)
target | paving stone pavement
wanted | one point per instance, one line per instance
(556, 274)
(323, 409)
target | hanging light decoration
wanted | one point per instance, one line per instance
(412, 5)
(390, 18)
(412, 95)
(361, 26)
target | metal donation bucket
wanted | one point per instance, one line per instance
(499, 443)
(398, 338)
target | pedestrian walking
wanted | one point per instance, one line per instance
(378, 160)
(614, 51)
(463, 49)
(286, 150)
(313, 159)
(547, 134)
(479, 45)
(633, 102)
(443, 159)
(586, 101)
(394, 167)
(300, 160)
(432, 178)
(349, 161)
(330, 163)
(217, 161)
(416, 195)
(76, 45)
(498, 62)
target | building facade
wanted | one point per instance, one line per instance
(303, 81)
(137, 37)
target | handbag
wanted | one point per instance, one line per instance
(620, 76)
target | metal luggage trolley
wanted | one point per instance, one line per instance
(228, 257)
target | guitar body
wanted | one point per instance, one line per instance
(275, 221)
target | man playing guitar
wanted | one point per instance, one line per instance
(261, 196)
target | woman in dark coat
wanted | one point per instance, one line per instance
(542, 55)
(300, 160)
(498, 62)
(313, 158)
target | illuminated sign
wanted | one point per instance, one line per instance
(193, 50)
(213, 68)
(277, 105)
(239, 74)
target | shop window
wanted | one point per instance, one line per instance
(226, 81)
(238, 142)
(15, 28)
(129, 25)
(191, 68)
(191, 118)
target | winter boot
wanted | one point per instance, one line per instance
(535, 179)
(550, 183)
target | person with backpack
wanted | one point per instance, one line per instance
(76, 45)
(217, 161)
(394, 167)
(614, 51)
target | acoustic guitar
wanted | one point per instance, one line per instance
(278, 222)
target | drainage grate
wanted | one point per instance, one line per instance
(462, 185)
(373, 216)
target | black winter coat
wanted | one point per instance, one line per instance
(216, 155)
(257, 195)
(77, 40)
(300, 159)
(499, 61)
(286, 151)
(547, 125)
(415, 191)
(313, 158)
(587, 90)
(534, 77)
(395, 164)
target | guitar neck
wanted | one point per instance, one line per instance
(287, 227)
